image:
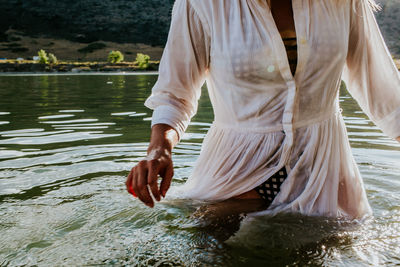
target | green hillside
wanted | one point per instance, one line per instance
(118, 21)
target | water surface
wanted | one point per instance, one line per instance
(67, 143)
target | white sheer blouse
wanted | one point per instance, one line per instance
(266, 118)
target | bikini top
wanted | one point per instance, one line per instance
(290, 42)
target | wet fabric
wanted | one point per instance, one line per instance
(236, 48)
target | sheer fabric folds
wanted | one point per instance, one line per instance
(267, 118)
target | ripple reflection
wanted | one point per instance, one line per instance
(63, 163)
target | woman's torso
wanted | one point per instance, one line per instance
(250, 78)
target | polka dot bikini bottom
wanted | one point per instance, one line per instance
(270, 188)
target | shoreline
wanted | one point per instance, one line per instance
(94, 73)
(32, 67)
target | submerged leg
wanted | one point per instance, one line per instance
(222, 219)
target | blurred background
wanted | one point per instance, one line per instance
(88, 29)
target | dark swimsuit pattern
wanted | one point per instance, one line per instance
(270, 188)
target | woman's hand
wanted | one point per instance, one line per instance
(398, 139)
(158, 162)
(145, 175)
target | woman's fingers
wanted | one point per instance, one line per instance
(141, 189)
(152, 177)
(145, 175)
(134, 181)
(128, 183)
(167, 178)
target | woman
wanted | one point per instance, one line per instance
(277, 116)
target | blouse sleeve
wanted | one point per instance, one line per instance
(182, 69)
(370, 73)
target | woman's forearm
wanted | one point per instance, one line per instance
(398, 139)
(163, 139)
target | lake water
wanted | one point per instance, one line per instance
(67, 143)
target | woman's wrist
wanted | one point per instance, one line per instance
(163, 139)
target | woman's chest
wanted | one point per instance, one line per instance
(246, 43)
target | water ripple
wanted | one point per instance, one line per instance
(64, 137)
(70, 121)
(71, 111)
(60, 116)
(63, 200)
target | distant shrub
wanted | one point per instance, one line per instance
(142, 60)
(43, 59)
(52, 59)
(92, 47)
(115, 57)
